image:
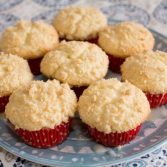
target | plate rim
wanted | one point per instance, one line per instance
(42, 161)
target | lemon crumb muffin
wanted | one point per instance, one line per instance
(79, 23)
(76, 63)
(113, 111)
(148, 71)
(41, 112)
(124, 39)
(14, 73)
(30, 40)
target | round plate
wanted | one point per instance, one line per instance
(80, 150)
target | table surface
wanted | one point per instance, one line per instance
(151, 13)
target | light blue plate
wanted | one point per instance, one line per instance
(80, 151)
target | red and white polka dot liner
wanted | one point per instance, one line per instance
(156, 100)
(113, 139)
(79, 90)
(3, 102)
(45, 138)
(115, 63)
(35, 65)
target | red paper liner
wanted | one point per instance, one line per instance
(113, 139)
(35, 65)
(79, 90)
(115, 63)
(93, 40)
(156, 100)
(45, 138)
(3, 101)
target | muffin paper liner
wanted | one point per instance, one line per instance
(156, 100)
(79, 90)
(45, 138)
(93, 40)
(115, 63)
(113, 139)
(3, 101)
(35, 65)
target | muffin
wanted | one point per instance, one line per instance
(77, 63)
(14, 73)
(148, 71)
(41, 113)
(79, 23)
(113, 111)
(123, 40)
(30, 40)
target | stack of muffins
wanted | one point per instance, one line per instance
(75, 53)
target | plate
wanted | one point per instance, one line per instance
(80, 150)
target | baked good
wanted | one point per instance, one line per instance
(124, 39)
(41, 112)
(148, 72)
(113, 111)
(30, 40)
(79, 23)
(76, 63)
(14, 73)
